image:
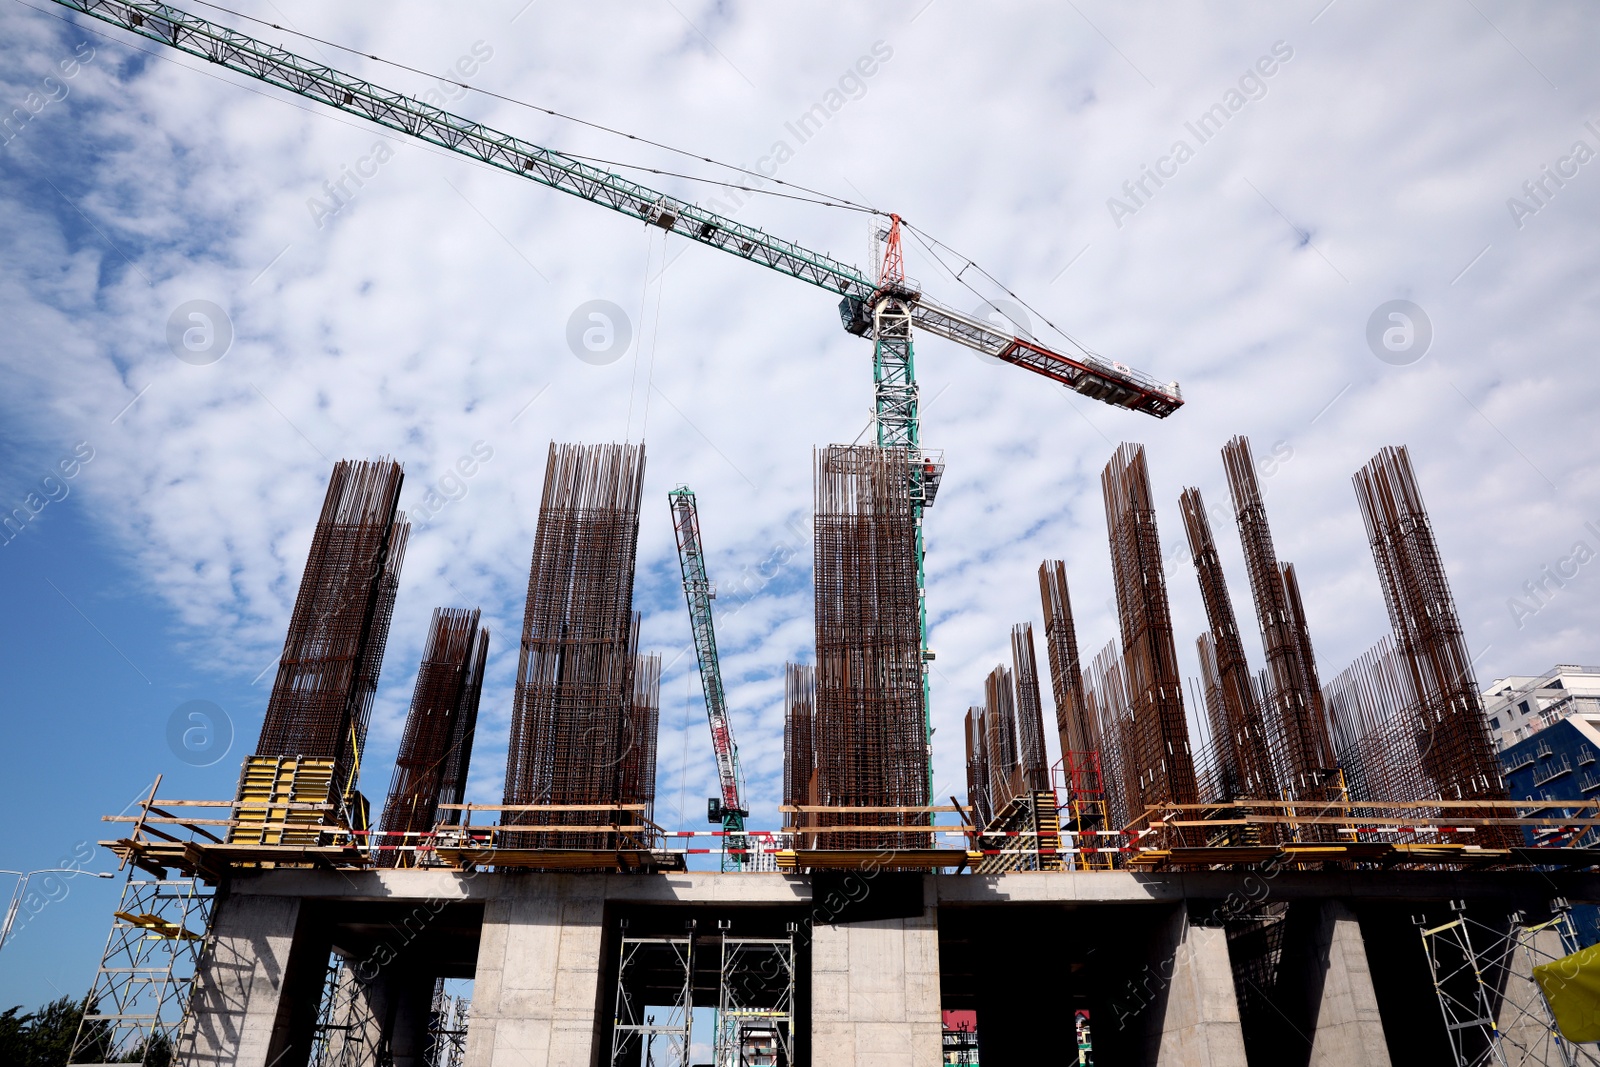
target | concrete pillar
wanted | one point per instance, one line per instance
(412, 1004)
(536, 990)
(1349, 1030)
(875, 993)
(240, 1018)
(1198, 1023)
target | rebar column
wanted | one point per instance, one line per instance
(1074, 721)
(328, 672)
(1157, 761)
(435, 750)
(1032, 757)
(1457, 749)
(1306, 757)
(1241, 733)
(871, 739)
(576, 735)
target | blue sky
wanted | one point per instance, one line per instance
(1377, 161)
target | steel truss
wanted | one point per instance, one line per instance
(140, 1000)
(1494, 1013)
(755, 1009)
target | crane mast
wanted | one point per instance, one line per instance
(729, 809)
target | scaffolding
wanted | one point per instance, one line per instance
(436, 747)
(645, 964)
(756, 1002)
(346, 1033)
(139, 1003)
(583, 722)
(328, 672)
(1494, 1013)
(447, 1028)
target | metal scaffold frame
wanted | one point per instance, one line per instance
(746, 1008)
(346, 1033)
(636, 1037)
(1494, 1013)
(140, 998)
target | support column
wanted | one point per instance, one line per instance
(240, 1017)
(536, 990)
(412, 997)
(1198, 1026)
(1349, 1030)
(875, 993)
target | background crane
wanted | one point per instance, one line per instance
(885, 309)
(728, 809)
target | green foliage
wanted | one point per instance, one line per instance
(44, 1037)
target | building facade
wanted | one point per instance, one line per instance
(1520, 706)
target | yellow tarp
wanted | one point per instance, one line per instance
(1571, 985)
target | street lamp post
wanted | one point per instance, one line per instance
(22, 888)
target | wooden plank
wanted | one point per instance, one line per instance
(873, 828)
(542, 807)
(815, 808)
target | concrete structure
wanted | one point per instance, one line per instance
(1520, 706)
(1162, 962)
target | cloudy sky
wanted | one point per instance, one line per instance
(1355, 154)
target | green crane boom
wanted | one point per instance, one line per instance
(728, 809)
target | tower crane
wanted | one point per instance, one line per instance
(885, 307)
(728, 808)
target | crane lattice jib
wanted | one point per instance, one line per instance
(1081, 370)
(697, 591)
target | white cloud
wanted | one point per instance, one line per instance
(431, 308)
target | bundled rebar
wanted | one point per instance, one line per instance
(1237, 727)
(577, 735)
(1074, 723)
(1106, 699)
(1157, 763)
(436, 747)
(799, 739)
(1000, 738)
(640, 731)
(1032, 758)
(1005, 737)
(1305, 759)
(978, 768)
(871, 726)
(328, 673)
(1457, 750)
(1377, 726)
